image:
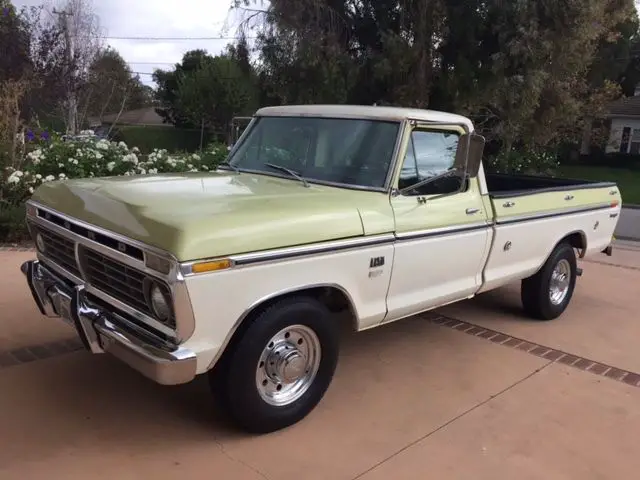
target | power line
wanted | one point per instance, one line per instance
(162, 39)
(152, 63)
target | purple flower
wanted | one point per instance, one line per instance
(30, 135)
(5, 12)
(44, 136)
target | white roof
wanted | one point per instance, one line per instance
(365, 111)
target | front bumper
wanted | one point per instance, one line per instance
(99, 330)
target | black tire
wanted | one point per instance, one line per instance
(234, 382)
(535, 294)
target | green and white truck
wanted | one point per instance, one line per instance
(244, 274)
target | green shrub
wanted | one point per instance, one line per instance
(598, 158)
(167, 138)
(527, 163)
(12, 222)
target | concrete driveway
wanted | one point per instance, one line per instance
(472, 391)
(629, 224)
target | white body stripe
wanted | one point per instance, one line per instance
(418, 274)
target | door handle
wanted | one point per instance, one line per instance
(472, 211)
(568, 197)
(508, 204)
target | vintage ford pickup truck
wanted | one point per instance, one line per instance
(240, 273)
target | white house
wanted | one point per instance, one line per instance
(624, 132)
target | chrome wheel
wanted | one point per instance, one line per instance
(288, 365)
(559, 284)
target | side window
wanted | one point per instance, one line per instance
(430, 153)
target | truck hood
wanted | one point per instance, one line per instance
(204, 215)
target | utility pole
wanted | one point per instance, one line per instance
(72, 101)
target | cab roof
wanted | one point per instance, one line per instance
(365, 111)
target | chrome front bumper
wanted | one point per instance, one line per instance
(99, 331)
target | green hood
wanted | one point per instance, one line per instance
(204, 215)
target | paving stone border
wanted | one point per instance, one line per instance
(616, 265)
(43, 351)
(48, 350)
(542, 351)
(16, 248)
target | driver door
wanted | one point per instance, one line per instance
(442, 236)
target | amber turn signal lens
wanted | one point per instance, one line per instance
(211, 266)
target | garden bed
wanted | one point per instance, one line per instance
(52, 159)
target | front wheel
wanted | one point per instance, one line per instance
(281, 367)
(546, 295)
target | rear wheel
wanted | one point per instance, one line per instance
(546, 295)
(281, 367)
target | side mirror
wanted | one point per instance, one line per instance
(469, 154)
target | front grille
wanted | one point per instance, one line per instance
(116, 279)
(110, 276)
(60, 250)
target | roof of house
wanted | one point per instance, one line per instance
(141, 116)
(625, 107)
(365, 111)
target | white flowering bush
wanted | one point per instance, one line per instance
(89, 156)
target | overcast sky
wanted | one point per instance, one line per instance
(160, 18)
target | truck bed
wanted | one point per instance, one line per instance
(507, 186)
(532, 214)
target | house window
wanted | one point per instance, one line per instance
(634, 149)
(630, 142)
(624, 143)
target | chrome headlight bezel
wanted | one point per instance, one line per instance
(156, 290)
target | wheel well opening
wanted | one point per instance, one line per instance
(334, 298)
(578, 241)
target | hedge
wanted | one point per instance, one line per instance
(163, 138)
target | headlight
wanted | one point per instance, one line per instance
(40, 242)
(159, 300)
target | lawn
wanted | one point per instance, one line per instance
(627, 180)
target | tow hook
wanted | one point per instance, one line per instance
(579, 272)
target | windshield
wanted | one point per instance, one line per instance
(344, 151)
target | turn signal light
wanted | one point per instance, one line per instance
(211, 266)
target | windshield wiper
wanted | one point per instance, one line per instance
(293, 173)
(227, 164)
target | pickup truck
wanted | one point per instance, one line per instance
(245, 273)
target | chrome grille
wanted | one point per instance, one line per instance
(115, 279)
(60, 250)
(109, 276)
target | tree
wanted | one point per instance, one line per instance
(168, 83)
(49, 66)
(111, 86)
(83, 43)
(206, 88)
(15, 60)
(213, 94)
(525, 70)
